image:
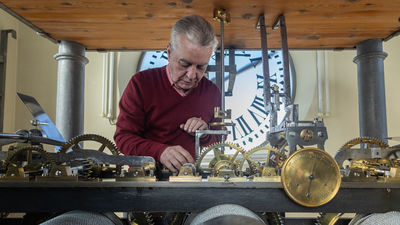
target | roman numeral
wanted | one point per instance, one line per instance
(273, 78)
(258, 104)
(260, 81)
(257, 116)
(244, 130)
(164, 55)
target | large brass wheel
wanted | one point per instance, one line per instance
(311, 177)
(218, 160)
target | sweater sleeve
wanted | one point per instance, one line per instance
(129, 134)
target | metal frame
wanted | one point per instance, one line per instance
(359, 197)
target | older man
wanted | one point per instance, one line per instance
(162, 108)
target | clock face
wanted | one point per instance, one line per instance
(246, 102)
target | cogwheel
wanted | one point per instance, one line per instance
(274, 156)
(218, 156)
(364, 140)
(30, 167)
(328, 218)
(83, 166)
(274, 218)
(105, 143)
(140, 218)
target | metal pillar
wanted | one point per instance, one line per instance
(371, 89)
(70, 88)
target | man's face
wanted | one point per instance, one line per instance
(187, 62)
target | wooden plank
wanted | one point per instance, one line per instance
(131, 24)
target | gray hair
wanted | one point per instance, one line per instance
(196, 29)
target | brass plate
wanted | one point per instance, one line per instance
(146, 179)
(267, 179)
(56, 178)
(185, 179)
(222, 179)
(311, 177)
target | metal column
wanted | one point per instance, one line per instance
(70, 88)
(371, 89)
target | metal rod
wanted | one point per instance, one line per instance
(222, 55)
(111, 78)
(327, 94)
(70, 88)
(371, 89)
(264, 51)
(222, 74)
(105, 85)
(320, 82)
(285, 56)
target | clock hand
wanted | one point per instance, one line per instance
(311, 177)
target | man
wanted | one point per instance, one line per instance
(161, 108)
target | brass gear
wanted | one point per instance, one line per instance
(73, 143)
(364, 140)
(279, 161)
(30, 168)
(328, 218)
(274, 218)
(140, 218)
(218, 156)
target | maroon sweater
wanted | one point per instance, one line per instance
(151, 111)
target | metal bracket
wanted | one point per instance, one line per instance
(222, 15)
(280, 22)
(3, 63)
(264, 51)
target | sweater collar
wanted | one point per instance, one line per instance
(177, 89)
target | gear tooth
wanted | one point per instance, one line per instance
(90, 137)
(216, 145)
(364, 139)
(47, 157)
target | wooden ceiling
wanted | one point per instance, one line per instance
(146, 24)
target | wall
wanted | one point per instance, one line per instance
(32, 70)
(392, 81)
(37, 75)
(8, 22)
(95, 123)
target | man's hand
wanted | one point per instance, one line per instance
(193, 124)
(174, 157)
